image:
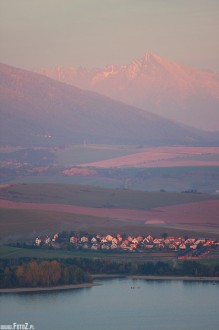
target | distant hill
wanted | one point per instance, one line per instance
(155, 84)
(36, 110)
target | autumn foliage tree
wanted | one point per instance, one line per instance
(43, 274)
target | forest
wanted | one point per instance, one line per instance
(28, 272)
(41, 274)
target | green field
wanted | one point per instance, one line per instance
(8, 252)
(173, 179)
(81, 154)
(89, 196)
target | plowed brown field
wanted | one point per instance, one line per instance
(200, 213)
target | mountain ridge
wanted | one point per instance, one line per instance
(153, 83)
(36, 110)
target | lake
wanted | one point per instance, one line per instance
(124, 304)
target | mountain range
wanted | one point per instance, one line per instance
(155, 84)
(36, 110)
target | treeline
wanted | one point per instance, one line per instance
(107, 266)
(41, 274)
(32, 273)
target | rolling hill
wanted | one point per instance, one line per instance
(36, 110)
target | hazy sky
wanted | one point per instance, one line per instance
(90, 33)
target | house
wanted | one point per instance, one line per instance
(126, 242)
(129, 238)
(135, 241)
(139, 239)
(124, 246)
(146, 241)
(149, 238)
(172, 247)
(93, 240)
(105, 247)
(114, 246)
(200, 241)
(114, 241)
(149, 246)
(190, 241)
(55, 237)
(46, 239)
(109, 238)
(157, 241)
(73, 240)
(38, 241)
(209, 242)
(98, 238)
(171, 238)
(178, 240)
(119, 237)
(193, 246)
(94, 247)
(84, 239)
(161, 246)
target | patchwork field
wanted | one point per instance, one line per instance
(164, 157)
(31, 209)
(176, 168)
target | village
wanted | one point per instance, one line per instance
(186, 247)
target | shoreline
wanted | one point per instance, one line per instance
(52, 288)
(110, 276)
(157, 277)
(102, 276)
(174, 278)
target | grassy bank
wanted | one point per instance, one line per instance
(8, 252)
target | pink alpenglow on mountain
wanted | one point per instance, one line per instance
(38, 111)
(175, 91)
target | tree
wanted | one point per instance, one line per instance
(20, 275)
(31, 274)
(164, 235)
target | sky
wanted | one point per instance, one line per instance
(92, 33)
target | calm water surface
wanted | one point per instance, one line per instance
(122, 304)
